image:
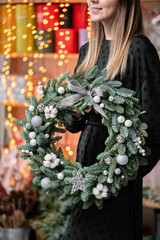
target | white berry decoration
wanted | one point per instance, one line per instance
(32, 134)
(61, 90)
(31, 108)
(60, 176)
(111, 98)
(45, 182)
(128, 123)
(122, 159)
(102, 105)
(33, 142)
(121, 119)
(36, 121)
(96, 99)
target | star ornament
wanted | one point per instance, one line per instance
(77, 182)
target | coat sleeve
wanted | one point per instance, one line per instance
(70, 122)
(148, 70)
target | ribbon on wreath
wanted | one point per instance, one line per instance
(74, 86)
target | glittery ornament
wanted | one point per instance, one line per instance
(61, 90)
(45, 182)
(120, 138)
(108, 160)
(77, 182)
(121, 119)
(36, 121)
(122, 159)
(96, 99)
(28, 126)
(40, 107)
(31, 108)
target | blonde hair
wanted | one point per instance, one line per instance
(127, 22)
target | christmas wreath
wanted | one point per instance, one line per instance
(125, 147)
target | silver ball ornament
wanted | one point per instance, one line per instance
(36, 121)
(121, 119)
(108, 160)
(45, 182)
(40, 107)
(122, 159)
(120, 138)
(96, 99)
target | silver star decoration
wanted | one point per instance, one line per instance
(77, 182)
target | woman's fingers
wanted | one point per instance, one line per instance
(87, 110)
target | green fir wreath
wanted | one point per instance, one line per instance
(125, 147)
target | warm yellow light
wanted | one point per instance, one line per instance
(60, 63)
(44, 79)
(41, 55)
(9, 108)
(60, 43)
(24, 36)
(61, 5)
(44, 70)
(49, 29)
(13, 142)
(63, 46)
(40, 38)
(30, 88)
(33, 27)
(13, 27)
(70, 153)
(13, 84)
(67, 38)
(41, 68)
(29, 94)
(68, 148)
(10, 125)
(66, 61)
(15, 129)
(67, 5)
(7, 73)
(56, 23)
(36, 36)
(65, 51)
(34, 31)
(60, 51)
(51, 17)
(45, 21)
(7, 123)
(49, 41)
(6, 151)
(45, 8)
(22, 91)
(30, 72)
(26, 76)
(61, 23)
(29, 48)
(46, 45)
(67, 32)
(56, 28)
(64, 10)
(29, 84)
(25, 59)
(9, 115)
(30, 64)
(62, 56)
(5, 63)
(56, 10)
(14, 37)
(49, 4)
(12, 119)
(35, 55)
(45, 14)
(41, 31)
(29, 25)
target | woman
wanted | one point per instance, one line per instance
(116, 43)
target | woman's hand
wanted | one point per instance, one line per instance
(78, 113)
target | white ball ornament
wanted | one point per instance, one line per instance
(102, 105)
(61, 90)
(28, 126)
(105, 172)
(33, 142)
(121, 119)
(32, 134)
(128, 123)
(45, 182)
(60, 176)
(96, 99)
(100, 186)
(36, 121)
(111, 98)
(122, 159)
(31, 108)
(117, 171)
(46, 135)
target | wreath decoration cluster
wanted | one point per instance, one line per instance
(124, 151)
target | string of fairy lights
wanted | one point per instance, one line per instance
(31, 59)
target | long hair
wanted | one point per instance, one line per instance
(127, 23)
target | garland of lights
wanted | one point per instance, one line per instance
(125, 148)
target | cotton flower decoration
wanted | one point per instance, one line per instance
(50, 112)
(100, 191)
(51, 160)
